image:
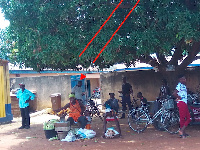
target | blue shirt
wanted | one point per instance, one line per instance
(23, 96)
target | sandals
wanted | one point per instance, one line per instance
(182, 136)
(186, 135)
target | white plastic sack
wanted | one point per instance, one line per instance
(111, 133)
(90, 134)
(69, 138)
(86, 133)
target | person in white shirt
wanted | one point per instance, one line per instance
(77, 90)
(181, 97)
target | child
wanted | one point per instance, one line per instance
(89, 119)
(142, 99)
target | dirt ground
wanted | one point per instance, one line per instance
(11, 138)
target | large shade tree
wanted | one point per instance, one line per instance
(52, 33)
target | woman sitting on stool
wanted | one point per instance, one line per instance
(76, 111)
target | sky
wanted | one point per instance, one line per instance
(3, 23)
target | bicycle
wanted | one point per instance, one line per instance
(139, 119)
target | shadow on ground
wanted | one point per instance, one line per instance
(11, 138)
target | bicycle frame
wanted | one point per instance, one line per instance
(151, 119)
(160, 111)
(139, 119)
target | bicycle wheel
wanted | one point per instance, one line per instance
(138, 120)
(157, 123)
(172, 122)
(98, 113)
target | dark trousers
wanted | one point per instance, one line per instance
(25, 116)
(126, 100)
(82, 120)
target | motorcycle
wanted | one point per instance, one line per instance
(96, 93)
(92, 107)
(194, 108)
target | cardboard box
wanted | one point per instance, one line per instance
(62, 126)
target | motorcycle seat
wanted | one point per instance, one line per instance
(195, 105)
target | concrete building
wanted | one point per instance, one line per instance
(5, 102)
(143, 79)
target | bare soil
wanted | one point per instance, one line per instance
(11, 138)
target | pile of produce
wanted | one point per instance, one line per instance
(63, 112)
(49, 125)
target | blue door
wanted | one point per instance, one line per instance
(88, 88)
(74, 81)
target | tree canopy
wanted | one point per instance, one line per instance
(52, 33)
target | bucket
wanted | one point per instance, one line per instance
(88, 126)
(62, 134)
(50, 133)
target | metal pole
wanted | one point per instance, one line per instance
(86, 92)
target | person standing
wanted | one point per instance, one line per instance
(126, 91)
(24, 97)
(77, 90)
(164, 90)
(180, 93)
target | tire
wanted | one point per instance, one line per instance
(158, 124)
(98, 114)
(138, 120)
(172, 122)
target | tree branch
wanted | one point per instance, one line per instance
(195, 49)
(148, 60)
(178, 53)
(162, 59)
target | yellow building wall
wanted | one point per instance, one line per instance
(4, 87)
(2, 94)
